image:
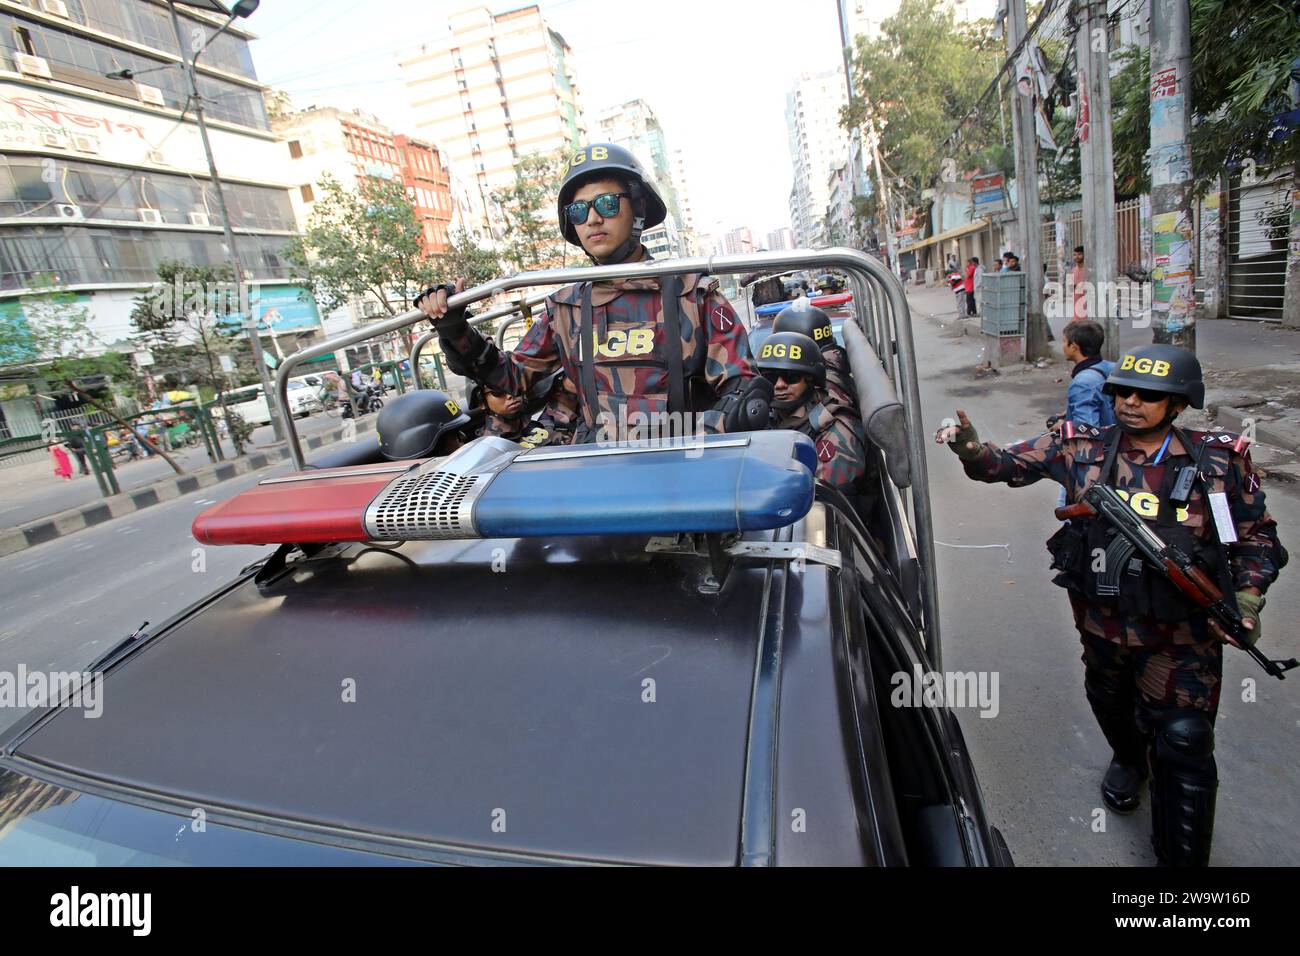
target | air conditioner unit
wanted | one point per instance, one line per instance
(149, 94)
(199, 219)
(156, 156)
(150, 215)
(67, 210)
(32, 65)
(55, 8)
(85, 144)
(54, 139)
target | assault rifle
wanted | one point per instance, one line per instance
(1134, 535)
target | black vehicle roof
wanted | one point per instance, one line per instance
(476, 692)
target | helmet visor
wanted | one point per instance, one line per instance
(606, 205)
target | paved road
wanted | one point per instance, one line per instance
(1039, 760)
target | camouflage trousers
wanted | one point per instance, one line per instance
(1128, 687)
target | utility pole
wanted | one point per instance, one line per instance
(883, 201)
(1173, 233)
(1027, 214)
(250, 325)
(1097, 163)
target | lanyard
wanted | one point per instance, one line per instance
(1161, 453)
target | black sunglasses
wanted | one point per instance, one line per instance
(606, 206)
(776, 375)
(1146, 394)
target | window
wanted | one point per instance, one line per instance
(295, 149)
(307, 194)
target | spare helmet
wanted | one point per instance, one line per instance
(413, 425)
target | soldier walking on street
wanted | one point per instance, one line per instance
(1152, 660)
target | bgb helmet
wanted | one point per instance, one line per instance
(1160, 368)
(792, 352)
(812, 322)
(415, 424)
(605, 160)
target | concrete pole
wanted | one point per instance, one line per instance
(883, 202)
(250, 322)
(1027, 209)
(1173, 232)
(1097, 163)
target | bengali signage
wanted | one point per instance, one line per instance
(988, 194)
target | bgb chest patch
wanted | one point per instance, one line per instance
(825, 450)
(722, 320)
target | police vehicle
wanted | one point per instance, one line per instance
(673, 652)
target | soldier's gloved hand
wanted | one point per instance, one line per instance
(747, 408)
(961, 438)
(450, 324)
(1250, 604)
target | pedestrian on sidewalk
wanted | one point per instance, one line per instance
(1013, 262)
(969, 285)
(77, 445)
(62, 463)
(979, 283)
(1078, 276)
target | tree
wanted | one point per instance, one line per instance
(186, 320)
(533, 239)
(916, 82)
(365, 242)
(1242, 56)
(54, 340)
(466, 259)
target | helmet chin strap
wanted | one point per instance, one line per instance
(626, 248)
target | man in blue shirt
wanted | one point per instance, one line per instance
(1086, 404)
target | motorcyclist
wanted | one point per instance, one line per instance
(630, 349)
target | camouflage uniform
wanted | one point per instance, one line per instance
(630, 365)
(839, 378)
(837, 433)
(1173, 664)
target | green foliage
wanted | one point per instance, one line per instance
(49, 333)
(362, 243)
(533, 240)
(1240, 65)
(917, 81)
(465, 259)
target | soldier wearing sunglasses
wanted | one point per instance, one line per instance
(629, 348)
(795, 366)
(1153, 663)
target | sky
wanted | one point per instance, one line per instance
(715, 72)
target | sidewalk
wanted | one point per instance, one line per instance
(145, 494)
(31, 491)
(1252, 371)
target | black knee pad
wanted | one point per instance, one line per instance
(1184, 737)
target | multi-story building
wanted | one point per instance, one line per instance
(101, 179)
(493, 89)
(350, 146)
(818, 144)
(737, 241)
(635, 126)
(687, 224)
(780, 239)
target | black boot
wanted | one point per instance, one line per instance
(1184, 784)
(1121, 788)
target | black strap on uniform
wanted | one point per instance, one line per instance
(670, 289)
(1226, 583)
(1108, 463)
(587, 368)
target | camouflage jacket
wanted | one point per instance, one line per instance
(839, 377)
(630, 363)
(1074, 460)
(837, 433)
